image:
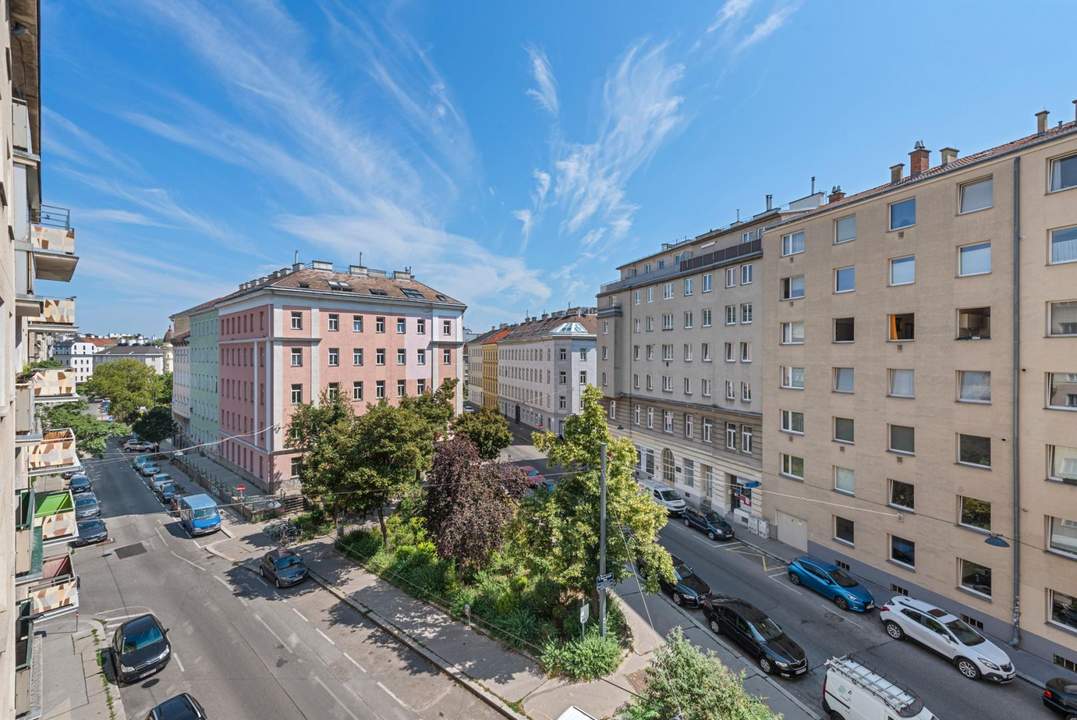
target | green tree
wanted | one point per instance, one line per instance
(563, 529)
(435, 408)
(90, 432)
(163, 391)
(130, 385)
(487, 429)
(43, 365)
(155, 424)
(323, 435)
(687, 683)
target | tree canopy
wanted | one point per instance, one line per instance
(130, 384)
(487, 429)
(322, 435)
(155, 424)
(90, 432)
(435, 408)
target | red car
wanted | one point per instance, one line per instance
(534, 477)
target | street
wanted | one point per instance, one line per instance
(242, 648)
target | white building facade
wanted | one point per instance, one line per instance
(150, 355)
(77, 354)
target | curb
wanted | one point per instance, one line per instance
(454, 672)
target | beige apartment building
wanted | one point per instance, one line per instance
(920, 384)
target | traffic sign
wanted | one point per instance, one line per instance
(240, 488)
(585, 613)
(604, 582)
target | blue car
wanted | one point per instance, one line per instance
(831, 582)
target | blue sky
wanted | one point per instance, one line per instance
(513, 154)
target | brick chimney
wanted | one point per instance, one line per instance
(1041, 122)
(836, 193)
(896, 171)
(948, 154)
(918, 159)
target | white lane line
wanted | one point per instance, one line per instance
(222, 581)
(781, 584)
(330, 694)
(192, 564)
(175, 657)
(273, 633)
(777, 573)
(393, 696)
(243, 600)
(327, 638)
(354, 662)
(301, 615)
(845, 618)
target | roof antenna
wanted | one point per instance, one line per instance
(360, 259)
(738, 214)
(812, 184)
(295, 258)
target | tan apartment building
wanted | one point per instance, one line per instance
(919, 411)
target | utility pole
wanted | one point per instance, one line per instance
(602, 541)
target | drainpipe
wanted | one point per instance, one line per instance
(1015, 636)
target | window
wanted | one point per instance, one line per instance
(1064, 245)
(903, 270)
(844, 430)
(636, 297)
(297, 357)
(667, 291)
(297, 394)
(562, 354)
(844, 380)
(903, 495)
(746, 439)
(613, 410)
(687, 284)
(845, 279)
(1062, 463)
(1063, 319)
(635, 380)
(667, 420)
(379, 324)
(730, 390)
(843, 530)
(745, 313)
(730, 314)
(650, 417)
(357, 357)
(793, 243)
(974, 324)
(708, 283)
(605, 352)
(746, 274)
(689, 472)
(705, 387)
(1062, 391)
(650, 294)
(1064, 173)
(973, 386)
(420, 357)
(793, 466)
(746, 392)
(688, 319)
(845, 480)
(333, 391)
(793, 378)
(688, 386)
(902, 439)
(793, 422)
(334, 322)
(357, 323)
(446, 356)
(636, 326)
(793, 287)
(974, 513)
(688, 352)
(745, 351)
(650, 386)
(903, 383)
(730, 277)
(357, 390)
(401, 388)
(667, 352)
(401, 356)
(731, 436)
(334, 357)
(903, 551)
(705, 352)
(976, 195)
(845, 229)
(297, 320)
(667, 321)
(974, 577)
(636, 414)
(296, 464)
(446, 327)
(583, 354)
(688, 425)
(974, 450)
(650, 352)
(379, 356)
(667, 383)
(1063, 535)
(420, 386)
(706, 317)
(729, 354)
(708, 428)
(902, 327)
(793, 333)
(903, 214)
(974, 259)
(379, 390)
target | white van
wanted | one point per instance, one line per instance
(852, 691)
(666, 496)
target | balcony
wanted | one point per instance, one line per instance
(55, 515)
(50, 385)
(57, 315)
(28, 546)
(52, 242)
(27, 672)
(52, 453)
(56, 591)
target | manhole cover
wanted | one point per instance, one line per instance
(128, 550)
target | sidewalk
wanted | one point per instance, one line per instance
(71, 649)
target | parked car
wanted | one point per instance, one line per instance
(160, 477)
(283, 567)
(149, 469)
(135, 445)
(1060, 695)
(140, 648)
(165, 491)
(534, 477)
(687, 587)
(756, 634)
(86, 506)
(91, 531)
(709, 522)
(80, 484)
(667, 497)
(853, 691)
(831, 582)
(199, 514)
(974, 655)
(180, 707)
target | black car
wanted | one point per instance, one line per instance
(1060, 695)
(90, 532)
(180, 707)
(756, 634)
(80, 484)
(140, 648)
(687, 588)
(709, 522)
(283, 567)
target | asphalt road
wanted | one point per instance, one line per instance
(824, 631)
(244, 649)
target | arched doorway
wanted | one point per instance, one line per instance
(667, 466)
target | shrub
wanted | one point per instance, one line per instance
(586, 658)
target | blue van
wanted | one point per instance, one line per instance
(199, 514)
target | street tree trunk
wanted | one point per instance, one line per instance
(381, 524)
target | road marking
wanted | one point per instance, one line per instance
(781, 584)
(393, 696)
(327, 638)
(176, 658)
(354, 662)
(330, 694)
(845, 618)
(192, 564)
(243, 600)
(300, 615)
(222, 581)
(273, 633)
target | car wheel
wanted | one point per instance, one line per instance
(677, 599)
(710, 535)
(276, 582)
(841, 602)
(715, 627)
(794, 578)
(968, 668)
(686, 523)
(894, 630)
(765, 666)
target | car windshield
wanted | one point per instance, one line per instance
(767, 629)
(204, 513)
(842, 579)
(668, 495)
(142, 637)
(714, 518)
(965, 634)
(85, 501)
(683, 570)
(161, 477)
(288, 561)
(167, 488)
(91, 526)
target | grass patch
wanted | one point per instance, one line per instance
(312, 524)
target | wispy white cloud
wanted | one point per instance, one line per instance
(116, 215)
(65, 136)
(527, 223)
(528, 217)
(134, 274)
(731, 12)
(768, 26)
(546, 92)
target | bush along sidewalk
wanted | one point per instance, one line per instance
(527, 614)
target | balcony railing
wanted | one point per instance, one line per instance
(57, 591)
(27, 537)
(55, 515)
(54, 252)
(53, 453)
(715, 257)
(58, 314)
(24, 657)
(51, 385)
(52, 216)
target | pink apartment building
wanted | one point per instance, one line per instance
(286, 338)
